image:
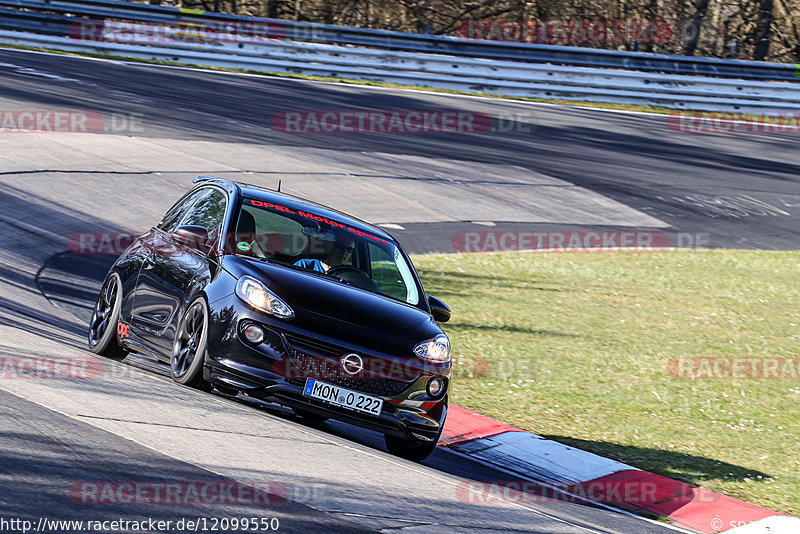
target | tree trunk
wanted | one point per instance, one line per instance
(695, 25)
(763, 29)
(271, 9)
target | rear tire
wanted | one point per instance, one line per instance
(189, 346)
(105, 318)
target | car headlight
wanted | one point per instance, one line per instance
(259, 297)
(436, 350)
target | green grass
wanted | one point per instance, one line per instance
(575, 347)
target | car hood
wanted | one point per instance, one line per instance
(336, 310)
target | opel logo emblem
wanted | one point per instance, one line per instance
(352, 363)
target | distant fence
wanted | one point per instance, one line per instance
(514, 69)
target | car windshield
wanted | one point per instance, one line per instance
(324, 247)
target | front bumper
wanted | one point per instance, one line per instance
(272, 370)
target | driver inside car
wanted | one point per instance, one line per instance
(340, 254)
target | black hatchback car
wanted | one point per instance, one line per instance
(250, 290)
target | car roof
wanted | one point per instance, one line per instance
(296, 203)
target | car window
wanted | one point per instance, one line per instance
(276, 233)
(386, 273)
(323, 246)
(170, 221)
(208, 211)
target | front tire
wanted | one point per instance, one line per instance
(105, 318)
(189, 346)
(413, 450)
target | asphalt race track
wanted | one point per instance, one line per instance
(536, 168)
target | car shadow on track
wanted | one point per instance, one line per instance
(83, 473)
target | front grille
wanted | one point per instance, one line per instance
(370, 386)
(308, 345)
(318, 359)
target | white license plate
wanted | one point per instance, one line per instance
(342, 397)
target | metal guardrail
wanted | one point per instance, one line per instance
(466, 74)
(410, 42)
(53, 24)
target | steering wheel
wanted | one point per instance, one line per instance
(354, 276)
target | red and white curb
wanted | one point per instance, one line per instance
(572, 471)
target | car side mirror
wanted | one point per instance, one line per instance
(439, 310)
(194, 237)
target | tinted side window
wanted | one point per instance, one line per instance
(386, 274)
(170, 221)
(208, 212)
(278, 234)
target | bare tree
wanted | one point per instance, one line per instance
(695, 26)
(763, 29)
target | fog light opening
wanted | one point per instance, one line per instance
(435, 387)
(254, 333)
